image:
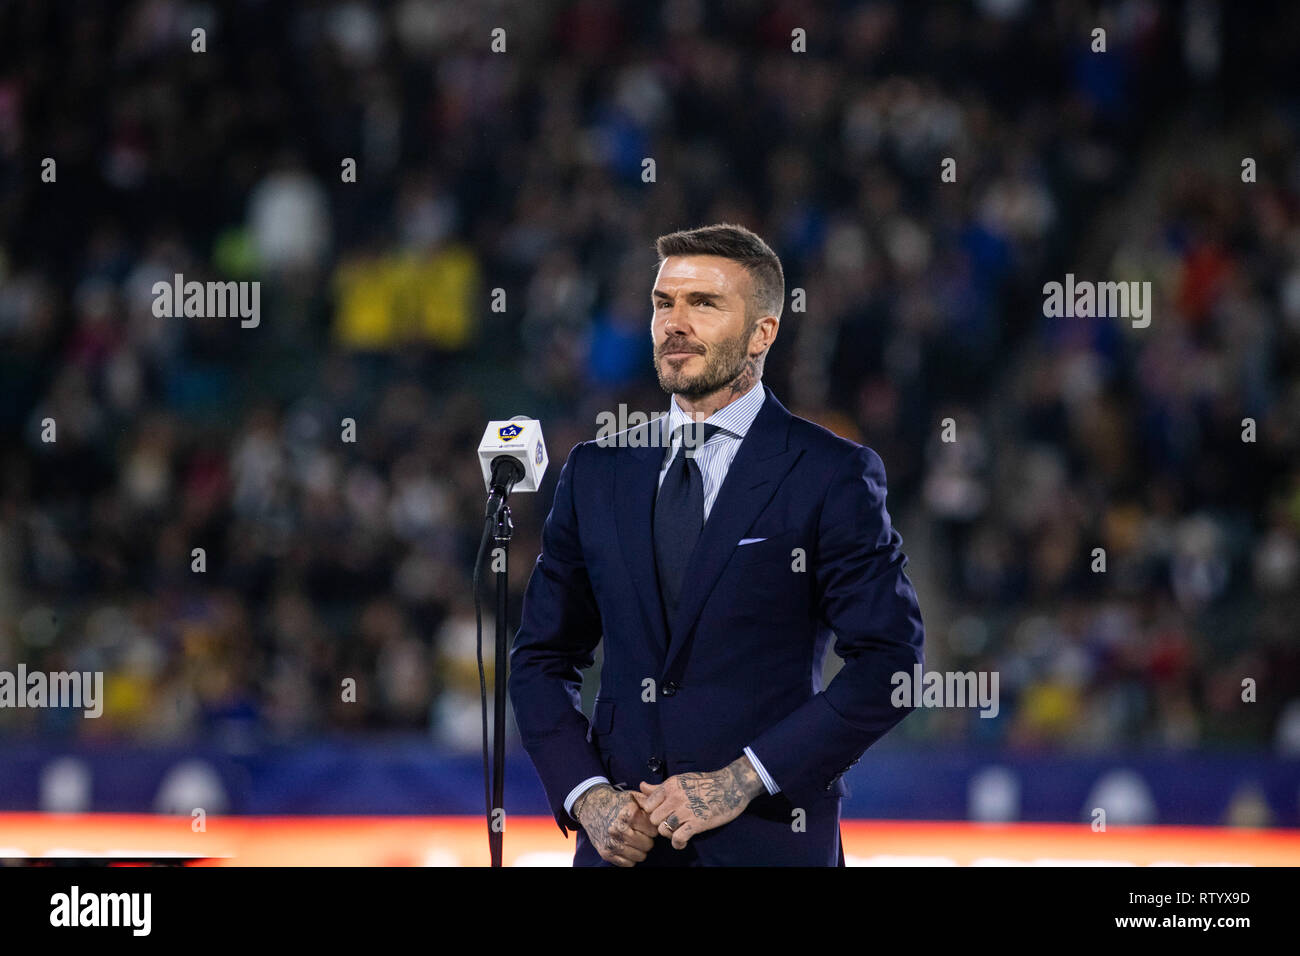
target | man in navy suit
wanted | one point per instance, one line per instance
(717, 550)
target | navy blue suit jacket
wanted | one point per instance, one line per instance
(740, 664)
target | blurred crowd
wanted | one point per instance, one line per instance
(234, 523)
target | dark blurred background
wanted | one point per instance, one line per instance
(522, 172)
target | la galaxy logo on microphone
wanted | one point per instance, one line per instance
(507, 432)
(537, 453)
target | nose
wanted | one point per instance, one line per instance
(674, 323)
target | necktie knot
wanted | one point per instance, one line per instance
(693, 435)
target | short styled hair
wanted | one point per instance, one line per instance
(733, 242)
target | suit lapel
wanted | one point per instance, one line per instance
(636, 479)
(761, 463)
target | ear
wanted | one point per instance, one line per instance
(764, 334)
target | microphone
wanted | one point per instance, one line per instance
(512, 457)
(506, 473)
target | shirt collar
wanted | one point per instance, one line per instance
(735, 417)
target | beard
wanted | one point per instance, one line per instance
(723, 363)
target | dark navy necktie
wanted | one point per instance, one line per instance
(679, 514)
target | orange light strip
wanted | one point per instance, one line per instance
(535, 841)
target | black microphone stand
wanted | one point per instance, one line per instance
(506, 472)
(496, 833)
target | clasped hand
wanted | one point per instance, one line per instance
(622, 824)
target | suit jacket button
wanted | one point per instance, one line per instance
(654, 763)
(670, 688)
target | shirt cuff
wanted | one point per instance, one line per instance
(762, 774)
(579, 790)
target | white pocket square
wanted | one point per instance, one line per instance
(749, 541)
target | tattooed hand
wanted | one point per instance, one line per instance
(690, 803)
(615, 823)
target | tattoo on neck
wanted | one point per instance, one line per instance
(743, 382)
